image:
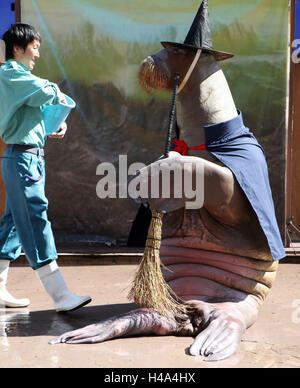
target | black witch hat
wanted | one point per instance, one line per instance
(199, 36)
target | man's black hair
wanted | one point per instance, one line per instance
(20, 35)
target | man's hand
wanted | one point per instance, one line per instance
(61, 133)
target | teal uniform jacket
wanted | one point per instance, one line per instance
(22, 96)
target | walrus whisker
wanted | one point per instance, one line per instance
(152, 77)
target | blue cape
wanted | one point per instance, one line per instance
(237, 148)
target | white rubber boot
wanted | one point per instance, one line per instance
(6, 299)
(54, 284)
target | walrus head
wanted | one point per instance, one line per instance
(158, 71)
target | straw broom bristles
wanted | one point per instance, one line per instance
(149, 288)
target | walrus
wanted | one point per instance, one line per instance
(220, 259)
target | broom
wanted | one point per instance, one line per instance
(149, 288)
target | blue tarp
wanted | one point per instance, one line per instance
(7, 16)
(297, 22)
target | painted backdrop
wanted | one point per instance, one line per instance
(93, 48)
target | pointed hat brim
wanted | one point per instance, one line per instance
(219, 55)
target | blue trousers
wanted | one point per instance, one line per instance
(25, 223)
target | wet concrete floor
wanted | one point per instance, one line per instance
(274, 341)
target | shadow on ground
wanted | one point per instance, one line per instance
(24, 323)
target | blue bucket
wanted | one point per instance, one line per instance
(55, 115)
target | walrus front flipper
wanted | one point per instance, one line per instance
(221, 335)
(137, 322)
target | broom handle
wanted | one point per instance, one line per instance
(171, 117)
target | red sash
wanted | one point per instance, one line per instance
(181, 146)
